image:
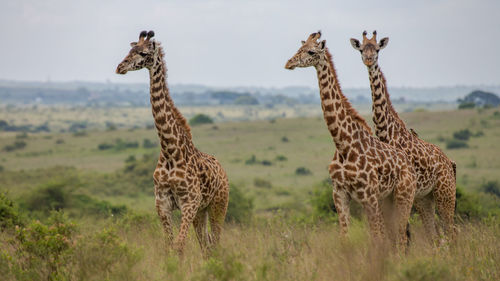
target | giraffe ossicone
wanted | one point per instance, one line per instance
(185, 178)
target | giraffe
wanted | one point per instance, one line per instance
(363, 168)
(436, 173)
(185, 178)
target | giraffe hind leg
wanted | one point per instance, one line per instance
(426, 210)
(200, 226)
(216, 214)
(444, 195)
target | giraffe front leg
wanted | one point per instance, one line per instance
(164, 206)
(403, 200)
(375, 219)
(189, 208)
(341, 200)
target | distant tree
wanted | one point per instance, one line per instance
(462, 135)
(200, 119)
(246, 100)
(479, 98)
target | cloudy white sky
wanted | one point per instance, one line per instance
(246, 43)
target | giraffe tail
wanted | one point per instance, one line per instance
(454, 165)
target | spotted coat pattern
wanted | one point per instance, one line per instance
(185, 178)
(436, 173)
(363, 168)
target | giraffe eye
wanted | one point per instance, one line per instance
(143, 54)
(312, 53)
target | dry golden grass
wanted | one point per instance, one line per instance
(276, 250)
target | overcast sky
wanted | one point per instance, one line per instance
(246, 43)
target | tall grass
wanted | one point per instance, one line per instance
(132, 248)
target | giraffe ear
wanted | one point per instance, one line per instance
(303, 42)
(383, 42)
(322, 44)
(355, 44)
(133, 44)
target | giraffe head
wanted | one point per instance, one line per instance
(370, 48)
(142, 54)
(309, 54)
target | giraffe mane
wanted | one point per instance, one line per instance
(345, 102)
(388, 98)
(176, 113)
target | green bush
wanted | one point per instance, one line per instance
(281, 158)
(251, 160)
(491, 187)
(258, 182)
(42, 250)
(428, 270)
(476, 205)
(105, 146)
(240, 207)
(456, 144)
(302, 171)
(9, 213)
(147, 143)
(225, 267)
(463, 135)
(466, 105)
(200, 119)
(19, 144)
(53, 195)
(104, 254)
(322, 202)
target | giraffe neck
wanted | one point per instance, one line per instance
(173, 131)
(385, 118)
(342, 120)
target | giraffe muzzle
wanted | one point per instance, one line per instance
(121, 70)
(290, 65)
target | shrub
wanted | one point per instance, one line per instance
(476, 206)
(50, 196)
(123, 144)
(466, 105)
(322, 202)
(281, 158)
(284, 139)
(81, 133)
(456, 144)
(2, 168)
(462, 135)
(491, 187)
(22, 135)
(240, 207)
(147, 143)
(9, 214)
(258, 182)
(59, 141)
(266, 163)
(302, 171)
(200, 119)
(424, 270)
(251, 160)
(44, 248)
(104, 254)
(105, 146)
(224, 268)
(19, 144)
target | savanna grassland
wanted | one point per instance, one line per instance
(77, 200)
